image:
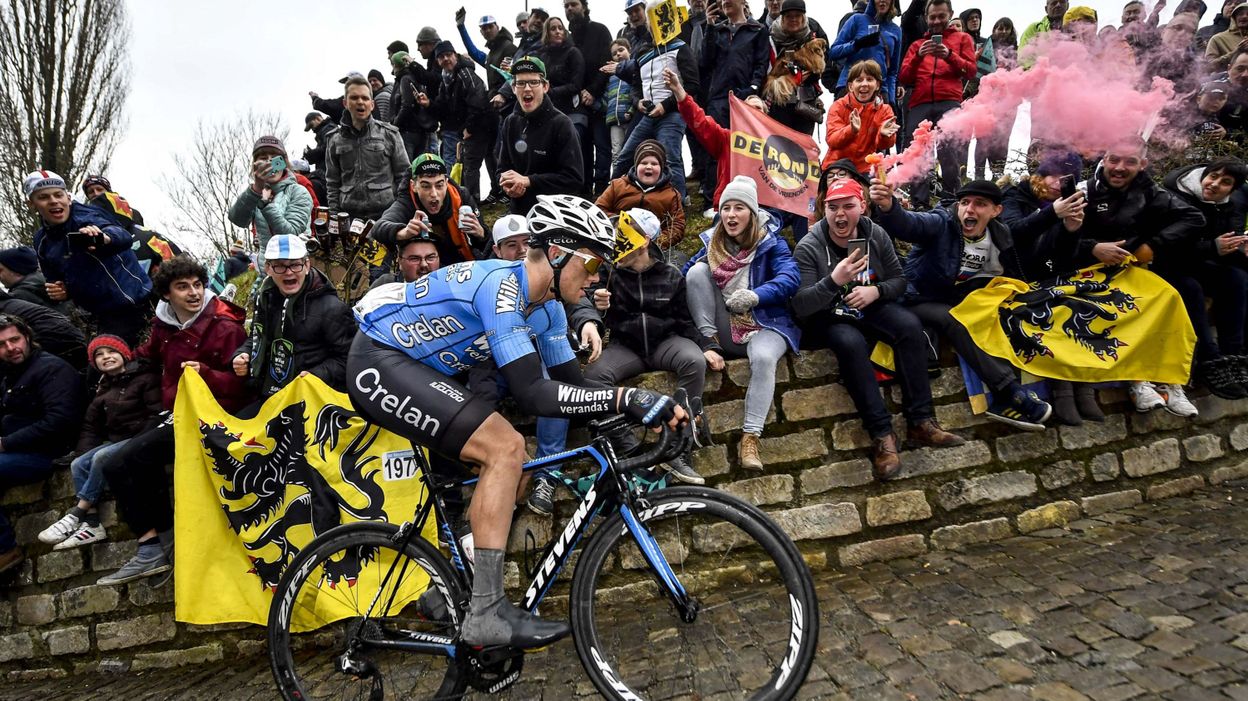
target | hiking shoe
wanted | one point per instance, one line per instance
(885, 460)
(1221, 378)
(1021, 409)
(1144, 396)
(748, 452)
(62, 529)
(542, 500)
(929, 433)
(680, 470)
(150, 560)
(1176, 401)
(86, 534)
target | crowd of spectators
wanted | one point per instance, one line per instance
(563, 108)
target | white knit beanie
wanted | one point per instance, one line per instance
(743, 190)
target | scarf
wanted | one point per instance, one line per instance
(789, 42)
(730, 275)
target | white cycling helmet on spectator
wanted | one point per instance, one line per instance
(572, 223)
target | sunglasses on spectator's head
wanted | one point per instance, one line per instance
(591, 263)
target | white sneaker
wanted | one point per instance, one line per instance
(85, 535)
(1145, 397)
(1177, 402)
(60, 530)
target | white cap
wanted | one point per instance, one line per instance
(41, 180)
(630, 4)
(508, 226)
(285, 247)
(487, 20)
(646, 222)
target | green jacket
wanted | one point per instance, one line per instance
(290, 211)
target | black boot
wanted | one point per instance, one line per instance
(1085, 400)
(1064, 409)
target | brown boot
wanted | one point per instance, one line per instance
(929, 433)
(11, 559)
(749, 452)
(885, 461)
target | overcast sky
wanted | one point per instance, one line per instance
(209, 60)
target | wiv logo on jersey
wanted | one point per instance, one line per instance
(424, 330)
(508, 299)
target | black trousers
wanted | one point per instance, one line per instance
(996, 373)
(138, 480)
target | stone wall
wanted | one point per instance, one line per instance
(54, 619)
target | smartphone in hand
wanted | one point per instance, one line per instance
(277, 164)
(1068, 186)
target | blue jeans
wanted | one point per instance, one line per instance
(88, 470)
(450, 139)
(668, 130)
(17, 469)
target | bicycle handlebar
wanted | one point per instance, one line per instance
(671, 443)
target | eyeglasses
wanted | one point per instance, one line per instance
(528, 83)
(431, 259)
(290, 267)
(591, 263)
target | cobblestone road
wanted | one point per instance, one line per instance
(1147, 603)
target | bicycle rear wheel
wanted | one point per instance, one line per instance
(754, 634)
(349, 594)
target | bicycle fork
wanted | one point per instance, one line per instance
(685, 604)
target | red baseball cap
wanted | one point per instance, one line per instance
(845, 187)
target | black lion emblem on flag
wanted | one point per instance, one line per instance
(1087, 300)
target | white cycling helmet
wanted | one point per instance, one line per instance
(571, 222)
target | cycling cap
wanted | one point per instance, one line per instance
(428, 164)
(508, 226)
(571, 222)
(41, 180)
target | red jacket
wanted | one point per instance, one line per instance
(934, 79)
(211, 341)
(844, 142)
(713, 137)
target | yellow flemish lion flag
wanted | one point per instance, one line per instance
(251, 493)
(1099, 324)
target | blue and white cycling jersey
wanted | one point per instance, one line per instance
(465, 314)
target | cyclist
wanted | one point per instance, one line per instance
(415, 337)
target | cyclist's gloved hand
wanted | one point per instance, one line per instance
(646, 407)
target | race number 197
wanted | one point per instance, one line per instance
(399, 465)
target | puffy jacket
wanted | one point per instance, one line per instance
(735, 60)
(844, 142)
(619, 99)
(366, 167)
(774, 278)
(934, 260)
(289, 213)
(100, 281)
(565, 71)
(816, 258)
(40, 405)
(645, 74)
(649, 307)
(1222, 217)
(887, 53)
(462, 103)
(209, 339)
(381, 100)
(318, 326)
(454, 246)
(550, 156)
(124, 405)
(53, 330)
(33, 288)
(662, 198)
(1143, 213)
(936, 79)
(1046, 247)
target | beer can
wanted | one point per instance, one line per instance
(464, 211)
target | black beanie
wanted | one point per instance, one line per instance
(21, 260)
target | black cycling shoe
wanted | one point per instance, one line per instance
(513, 627)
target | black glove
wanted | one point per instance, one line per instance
(866, 40)
(645, 407)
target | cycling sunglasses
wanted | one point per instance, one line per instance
(591, 263)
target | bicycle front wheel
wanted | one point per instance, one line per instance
(755, 626)
(351, 620)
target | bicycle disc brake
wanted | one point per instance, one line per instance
(493, 669)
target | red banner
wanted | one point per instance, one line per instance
(782, 162)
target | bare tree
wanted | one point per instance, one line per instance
(64, 79)
(211, 174)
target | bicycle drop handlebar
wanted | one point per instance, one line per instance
(671, 443)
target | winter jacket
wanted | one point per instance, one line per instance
(1142, 214)
(639, 38)
(645, 73)
(100, 281)
(714, 139)
(662, 198)
(986, 63)
(331, 106)
(316, 154)
(542, 146)
(1046, 247)
(844, 142)
(32, 288)
(887, 52)
(124, 406)
(289, 212)
(649, 307)
(405, 113)
(816, 258)
(565, 71)
(317, 325)
(53, 330)
(210, 338)
(381, 101)
(593, 40)
(500, 48)
(1221, 46)
(463, 103)
(454, 246)
(366, 167)
(619, 99)
(40, 405)
(774, 278)
(935, 257)
(734, 60)
(1033, 30)
(784, 47)
(936, 79)
(237, 264)
(1206, 33)
(1226, 216)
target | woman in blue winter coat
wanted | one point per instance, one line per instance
(738, 287)
(871, 35)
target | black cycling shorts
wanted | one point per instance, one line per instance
(411, 399)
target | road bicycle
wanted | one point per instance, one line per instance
(681, 592)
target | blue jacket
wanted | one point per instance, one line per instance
(936, 256)
(619, 100)
(774, 278)
(888, 53)
(99, 281)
